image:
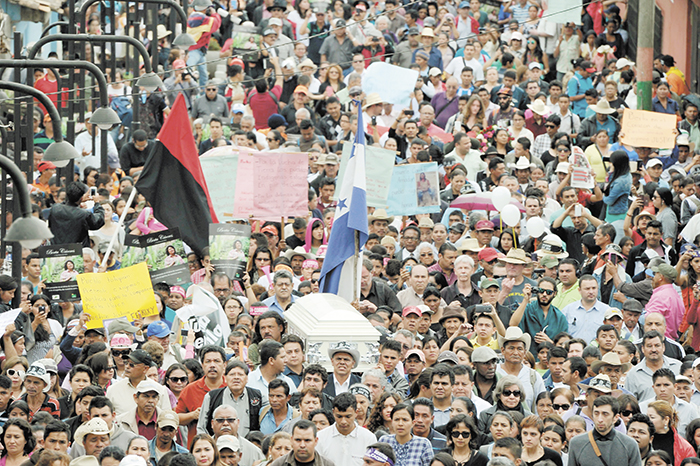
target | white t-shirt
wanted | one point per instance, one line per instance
(458, 63)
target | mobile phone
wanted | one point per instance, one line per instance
(577, 211)
(613, 258)
(646, 199)
(633, 165)
(93, 191)
(408, 268)
(482, 309)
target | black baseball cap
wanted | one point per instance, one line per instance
(140, 356)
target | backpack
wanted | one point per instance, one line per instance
(122, 105)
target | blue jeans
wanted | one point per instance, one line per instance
(198, 58)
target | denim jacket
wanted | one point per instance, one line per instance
(618, 195)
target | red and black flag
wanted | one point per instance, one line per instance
(173, 182)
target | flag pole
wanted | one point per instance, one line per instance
(358, 264)
(110, 248)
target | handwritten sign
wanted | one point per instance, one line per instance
(244, 190)
(7, 318)
(394, 84)
(280, 184)
(581, 176)
(648, 129)
(60, 264)
(126, 293)
(379, 165)
(414, 189)
(219, 169)
(564, 11)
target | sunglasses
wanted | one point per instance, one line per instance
(565, 407)
(549, 126)
(121, 354)
(463, 434)
(12, 373)
(314, 281)
(179, 379)
(508, 393)
(543, 291)
(627, 412)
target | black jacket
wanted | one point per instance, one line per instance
(71, 224)
(254, 404)
(329, 389)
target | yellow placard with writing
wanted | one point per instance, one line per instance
(123, 293)
(641, 128)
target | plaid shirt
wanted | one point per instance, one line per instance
(542, 143)
(416, 452)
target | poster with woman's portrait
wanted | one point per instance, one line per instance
(60, 265)
(164, 254)
(229, 246)
(427, 188)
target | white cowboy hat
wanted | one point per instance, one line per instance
(161, 32)
(515, 334)
(603, 107)
(538, 107)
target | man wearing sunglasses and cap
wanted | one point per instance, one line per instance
(540, 318)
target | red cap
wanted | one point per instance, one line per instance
(488, 254)
(237, 61)
(484, 225)
(270, 229)
(46, 166)
(505, 90)
(411, 310)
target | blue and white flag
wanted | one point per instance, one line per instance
(341, 269)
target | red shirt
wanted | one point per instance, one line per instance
(263, 105)
(147, 429)
(50, 88)
(190, 400)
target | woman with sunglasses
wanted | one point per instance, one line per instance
(102, 365)
(509, 395)
(120, 347)
(462, 441)
(15, 369)
(533, 452)
(176, 379)
(562, 401)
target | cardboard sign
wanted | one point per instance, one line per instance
(123, 293)
(228, 248)
(394, 84)
(220, 169)
(648, 129)
(564, 11)
(60, 265)
(279, 184)
(415, 189)
(581, 176)
(163, 252)
(379, 166)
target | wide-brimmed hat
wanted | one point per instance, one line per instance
(523, 164)
(469, 245)
(428, 32)
(348, 347)
(161, 32)
(600, 382)
(610, 359)
(373, 99)
(299, 251)
(380, 214)
(452, 314)
(515, 334)
(96, 426)
(538, 107)
(613, 249)
(307, 63)
(516, 256)
(552, 245)
(603, 107)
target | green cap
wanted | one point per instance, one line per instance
(549, 261)
(666, 270)
(488, 283)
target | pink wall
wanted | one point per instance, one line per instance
(677, 31)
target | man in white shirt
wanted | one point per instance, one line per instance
(459, 63)
(344, 443)
(83, 144)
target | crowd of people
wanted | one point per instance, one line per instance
(572, 346)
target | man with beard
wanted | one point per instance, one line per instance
(540, 318)
(504, 115)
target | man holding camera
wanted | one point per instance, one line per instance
(538, 317)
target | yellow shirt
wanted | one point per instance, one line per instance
(493, 344)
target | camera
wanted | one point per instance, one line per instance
(482, 309)
(374, 121)
(42, 309)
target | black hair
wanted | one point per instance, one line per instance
(56, 426)
(277, 383)
(316, 369)
(269, 349)
(325, 412)
(442, 370)
(30, 440)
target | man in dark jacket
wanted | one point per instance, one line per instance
(69, 223)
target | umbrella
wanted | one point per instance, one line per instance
(480, 201)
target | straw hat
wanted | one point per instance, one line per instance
(610, 359)
(379, 214)
(517, 256)
(603, 107)
(538, 107)
(515, 334)
(373, 99)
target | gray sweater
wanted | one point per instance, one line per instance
(616, 449)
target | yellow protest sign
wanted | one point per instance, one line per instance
(641, 128)
(123, 293)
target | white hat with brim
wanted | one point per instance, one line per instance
(603, 107)
(380, 214)
(610, 359)
(39, 371)
(299, 251)
(228, 441)
(516, 256)
(600, 382)
(347, 347)
(515, 334)
(96, 426)
(86, 460)
(523, 164)
(552, 246)
(538, 107)
(161, 32)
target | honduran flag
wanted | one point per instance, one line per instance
(173, 182)
(341, 269)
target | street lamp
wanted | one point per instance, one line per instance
(60, 150)
(29, 231)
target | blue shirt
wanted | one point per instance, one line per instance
(671, 106)
(578, 85)
(274, 305)
(584, 323)
(608, 126)
(416, 452)
(269, 426)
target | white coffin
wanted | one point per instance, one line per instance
(324, 319)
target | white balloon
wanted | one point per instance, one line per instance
(535, 227)
(500, 197)
(510, 215)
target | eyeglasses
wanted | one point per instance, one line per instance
(211, 89)
(508, 393)
(12, 373)
(543, 291)
(410, 238)
(425, 254)
(565, 407)
(222, 420)
(463, 434)
(178, 379)
(121, 354)
(627, 412)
